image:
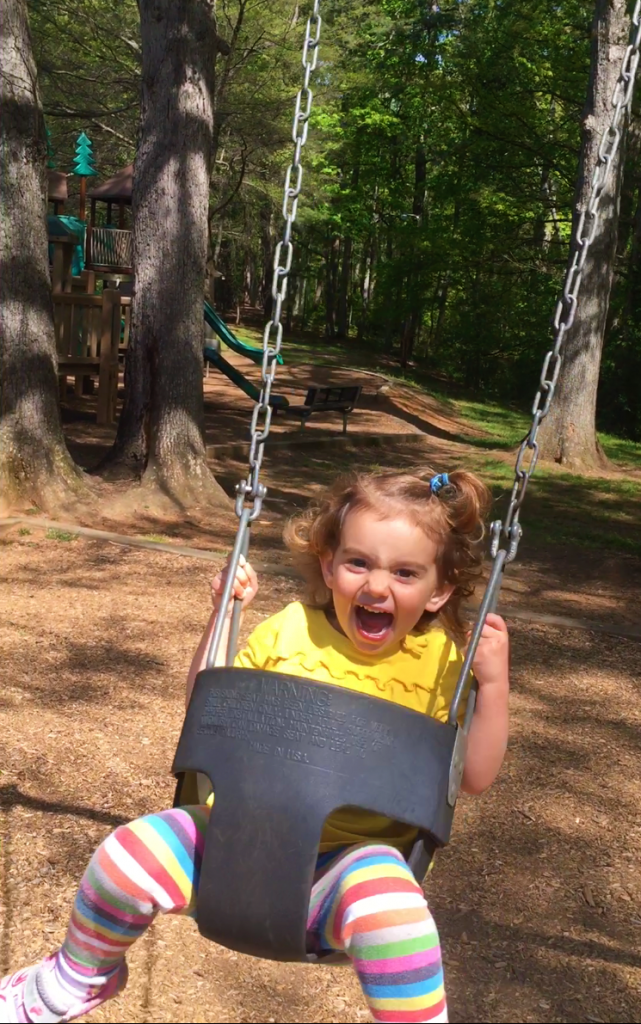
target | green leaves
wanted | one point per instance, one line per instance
(456, 263)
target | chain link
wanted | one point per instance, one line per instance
(565, 313)
(250, 491)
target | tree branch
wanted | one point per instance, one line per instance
(112, 131)
(67, 112)
(234, 192)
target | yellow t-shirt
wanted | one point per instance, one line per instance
(420, 674)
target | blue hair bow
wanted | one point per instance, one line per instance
(438, 482)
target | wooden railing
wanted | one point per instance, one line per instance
(110, 247)
(88, 337)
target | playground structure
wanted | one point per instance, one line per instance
(110, 248)
(91, 323)
(89, 327)
(92, 329)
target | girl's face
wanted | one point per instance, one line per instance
(382, 576)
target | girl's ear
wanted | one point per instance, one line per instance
(440, 597)
(327, 568)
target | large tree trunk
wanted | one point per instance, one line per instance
(161, 428)
(35, 465)
(568, 435)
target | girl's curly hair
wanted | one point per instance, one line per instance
(453, 517)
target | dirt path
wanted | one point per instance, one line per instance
(383, 410)
(538, 897)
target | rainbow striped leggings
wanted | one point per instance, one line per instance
(366, 902)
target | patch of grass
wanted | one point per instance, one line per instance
(589, 512)
(625, 453)
(506, 427)
(61, 535)
(24, 532)
(159, 538)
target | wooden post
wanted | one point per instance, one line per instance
(67, 264)
(58, 273)
(108, 376)
(90, 227)
(61, 278)
(82, 213)
(121, 215)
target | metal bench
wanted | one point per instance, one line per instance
(341, 398)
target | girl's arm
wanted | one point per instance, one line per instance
(245, 587)
(488, 737)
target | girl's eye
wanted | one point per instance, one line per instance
(358, 563)
(406, 574)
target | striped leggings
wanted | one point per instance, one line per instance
(366, 903)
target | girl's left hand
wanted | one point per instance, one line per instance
(491, 663)
(245, 585)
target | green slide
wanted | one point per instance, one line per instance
(214, 357)
(218, 325)
(240, 380)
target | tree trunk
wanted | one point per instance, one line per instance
(413, 289)
(367, 285)
(568, 435)
(342, 313)
(443, 292)
(267, 253)
(161, 428)
(331, 277)
(35, 465)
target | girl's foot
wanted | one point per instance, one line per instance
(27, 996)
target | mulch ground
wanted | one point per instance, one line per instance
(538, 896)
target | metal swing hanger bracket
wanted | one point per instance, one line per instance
(250, 492)
(506, 534)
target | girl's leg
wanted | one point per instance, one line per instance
(151, 865)
(369, 905)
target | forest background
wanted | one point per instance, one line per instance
(439, 182)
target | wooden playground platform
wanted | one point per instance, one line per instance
(90, 327)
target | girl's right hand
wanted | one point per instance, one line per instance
(245, 585)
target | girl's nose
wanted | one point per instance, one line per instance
(377, 584)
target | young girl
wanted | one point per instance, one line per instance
(388, 559)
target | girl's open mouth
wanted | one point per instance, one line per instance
(372, 624)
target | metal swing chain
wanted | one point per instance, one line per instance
(250, 492)
(564, 316)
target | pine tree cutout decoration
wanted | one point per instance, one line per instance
(84, 165)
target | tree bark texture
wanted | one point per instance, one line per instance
(162, 424)
(568, 435)
(34, 462)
